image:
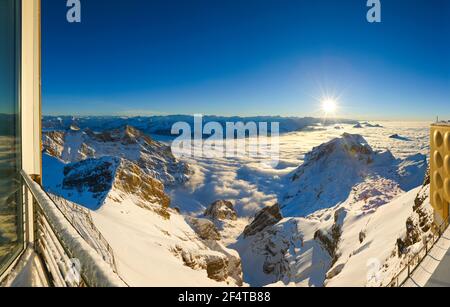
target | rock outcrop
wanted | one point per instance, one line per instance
(221, 210)
(220, 263)
(205, 229)
(268, 216)
(95, 179)
(420, 224)
(330, 239)
(92, 175)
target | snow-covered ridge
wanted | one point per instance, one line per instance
(92, 182)
(348, 166)
(85, 167)
(345, 205)
(154, 158)
(118, 175)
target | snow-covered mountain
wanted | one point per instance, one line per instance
(120, 176)
(345, 205)
(162, 125)
(348, 166)
(154, 158)
(340, 219)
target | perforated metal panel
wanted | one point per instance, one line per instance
(440, 170)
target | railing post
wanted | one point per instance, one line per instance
(35, 223)
(26, 206)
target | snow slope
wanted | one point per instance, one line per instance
(332, 171)
(362, 265)
(153, 244)
(151, 251)
(334, 211)
(291, 253)
(344, 206)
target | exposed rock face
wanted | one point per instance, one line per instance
(205, 229)
(221, 210)
(91, 175)
(396, 136)
(53, 142)
(154, 158)
(274, 250)
(224, 264)
(330, 240)
(266, 217)
(217, 269)
(420, 223)
(220, 263)
(98, 177)
(131, 180)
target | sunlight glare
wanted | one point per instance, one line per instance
(329, 105)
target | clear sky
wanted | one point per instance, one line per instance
(247, 57)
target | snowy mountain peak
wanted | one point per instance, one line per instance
(74, 128)
(127, 135)
(129, 143)
(221, 210)
(348, 169)
(92, 182)
(349, 146)
(346, 204)
(94, 176)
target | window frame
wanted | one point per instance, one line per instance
(11, 259)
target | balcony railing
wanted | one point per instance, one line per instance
(415, 260)
(81, 219)
(70, 261)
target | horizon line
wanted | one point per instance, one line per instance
(244, 116)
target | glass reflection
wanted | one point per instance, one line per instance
(11, 229)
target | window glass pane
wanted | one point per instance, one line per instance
(11, 230)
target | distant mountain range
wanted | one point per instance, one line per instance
(162, 125)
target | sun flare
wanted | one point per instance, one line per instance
(329, 105)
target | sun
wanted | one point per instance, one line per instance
(329, 105)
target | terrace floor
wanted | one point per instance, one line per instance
(29, 272)
(434, 271)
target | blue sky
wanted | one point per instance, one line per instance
(247, 57)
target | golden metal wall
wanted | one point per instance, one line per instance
(440, 171)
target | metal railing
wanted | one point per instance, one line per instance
(415, 260)
(69, 260)
(78, 217)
